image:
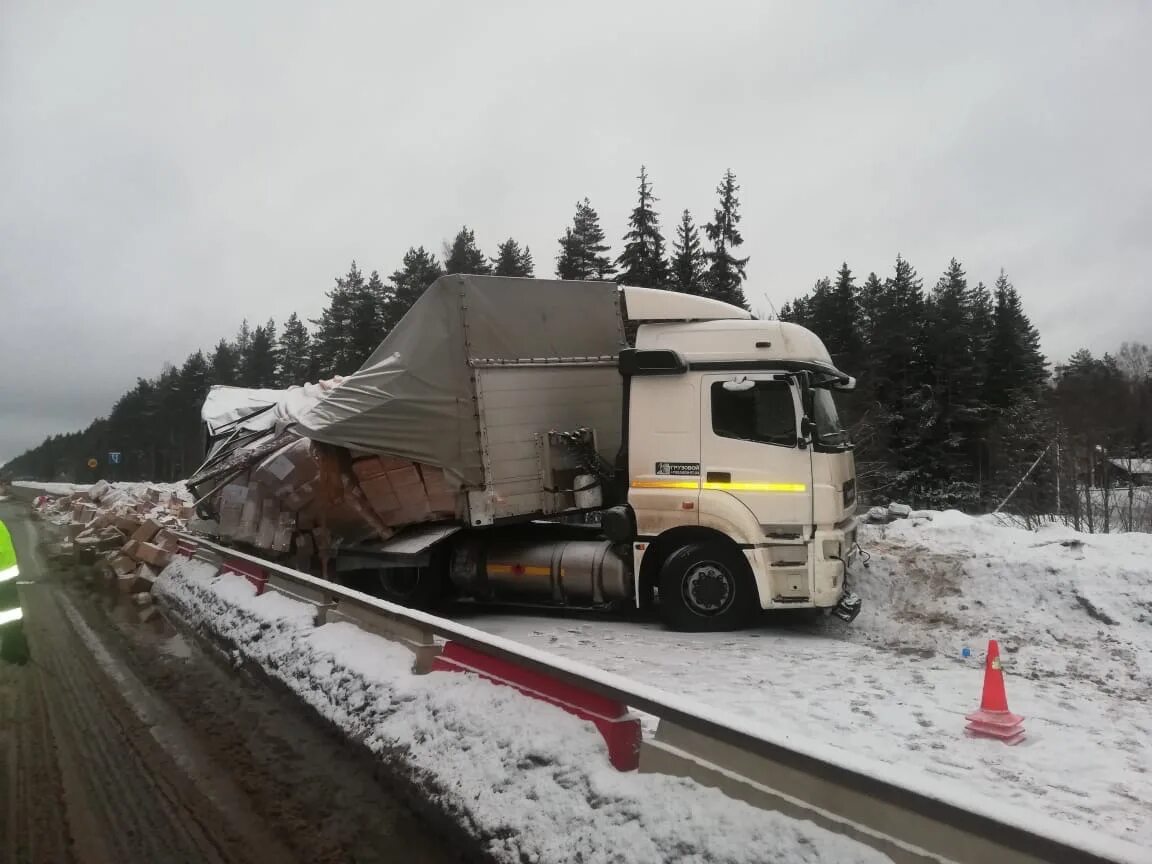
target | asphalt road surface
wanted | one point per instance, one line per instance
(126, 742)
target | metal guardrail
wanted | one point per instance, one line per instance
(937, 829)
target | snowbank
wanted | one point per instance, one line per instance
(531, 781)
(1065, 605)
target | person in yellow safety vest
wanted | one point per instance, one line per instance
(13, 645)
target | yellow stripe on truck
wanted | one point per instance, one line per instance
(722, 487)
(519, 570)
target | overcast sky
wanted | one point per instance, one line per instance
(165, 173)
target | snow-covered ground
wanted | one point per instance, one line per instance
(1073, 614)
(131, 489)
(529, 779)
(51, 488)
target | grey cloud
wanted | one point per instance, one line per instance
(169, 171)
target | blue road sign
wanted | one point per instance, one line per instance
(114, 457)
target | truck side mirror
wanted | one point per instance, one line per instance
(739, 385)
(807, 427)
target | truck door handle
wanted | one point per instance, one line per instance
(718, 477)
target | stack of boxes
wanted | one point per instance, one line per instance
(282, 500)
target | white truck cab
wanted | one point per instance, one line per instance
(741, 480)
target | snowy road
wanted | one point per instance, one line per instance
(895, 688)
(122, 742)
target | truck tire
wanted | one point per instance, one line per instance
(414, 587)
(706, 586)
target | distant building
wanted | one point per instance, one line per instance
(1138, 472)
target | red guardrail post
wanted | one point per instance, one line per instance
(620, 730)
(254, 573)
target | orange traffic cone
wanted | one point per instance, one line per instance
(994, 720)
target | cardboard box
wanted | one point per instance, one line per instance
(301, 497)
(366, 469)
(131, 549)
(166, 540)
(74, 529)
(126, 584)
(380, 494)
(147, 530)
(152, 554)
(145, 576)
(442, 497)
(109, 540)
(249, 525)
(269, 520)
(122, 564)
(232, 498)
(127, 524)
(288, 468)
(402, 478)
(285, 527)
(409, 489)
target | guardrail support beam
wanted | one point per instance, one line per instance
(419, 640)
(904, 837)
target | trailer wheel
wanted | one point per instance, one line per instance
(706, 586)
(414, 587)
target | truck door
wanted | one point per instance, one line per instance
(750, 447)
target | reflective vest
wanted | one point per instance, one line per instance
(9, 594)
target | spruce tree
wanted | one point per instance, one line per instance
(896, 348)
(365, 321)
(224, 364)
(844, 331)
(331, 341)
(688, 261)
(833, 313)
(1016, 365)
(898, 332)
(420, 269)
(949, 357)
(871, 295)
(511, 260)
(243, 340)
(725, 274)
(643, 263)
(464, 256)
(193, 388)
(582, 248)
(295, 353)
(259, 363)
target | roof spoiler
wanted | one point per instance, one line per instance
(654, 304)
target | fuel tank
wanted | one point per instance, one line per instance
(574, 572)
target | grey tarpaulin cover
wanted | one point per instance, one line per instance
(413, 398)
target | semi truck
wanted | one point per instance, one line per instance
(589, 445)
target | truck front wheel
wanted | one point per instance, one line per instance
(706, 586)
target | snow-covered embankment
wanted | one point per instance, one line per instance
(530, 781)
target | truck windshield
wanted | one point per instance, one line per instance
(829, 432)
(764, 413)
